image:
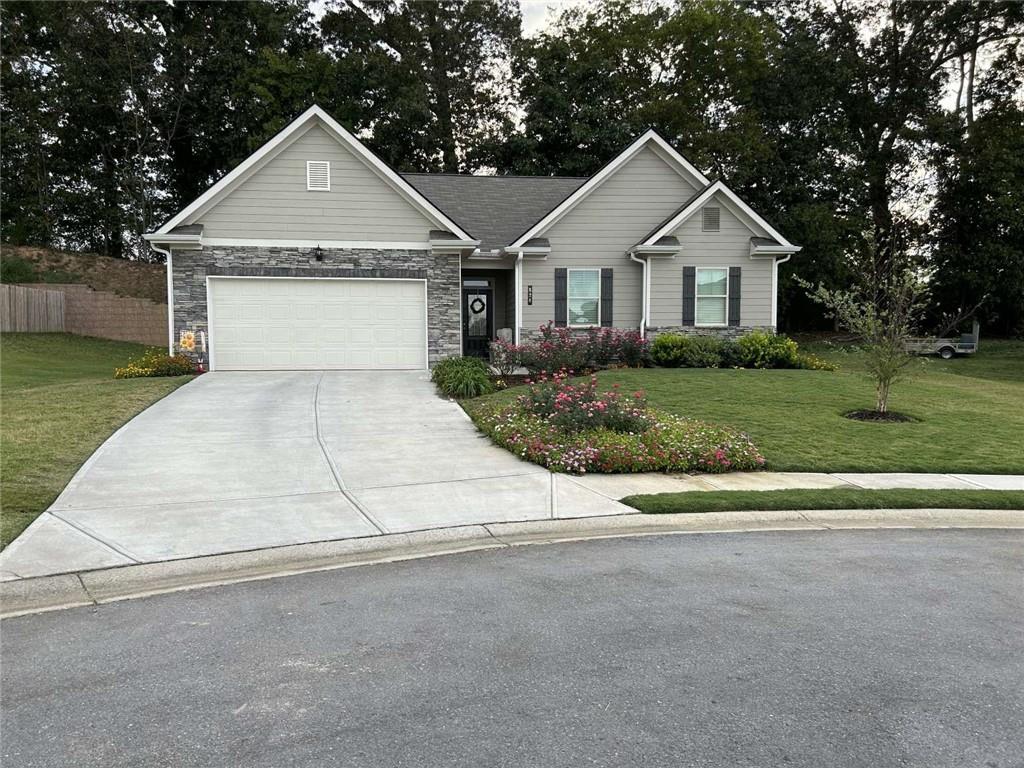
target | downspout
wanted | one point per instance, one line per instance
(519, 297)
(645, 288)
(775, 289)
(170, 297)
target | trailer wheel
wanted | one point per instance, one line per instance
(946, 353)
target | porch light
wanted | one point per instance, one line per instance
(318, 253)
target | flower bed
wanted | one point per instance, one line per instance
(571, 427)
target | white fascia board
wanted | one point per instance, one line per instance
(649, 137)
(378, 165)
(533, 250)
(718, 187)
(770, 251)
(453, 245)
(155, 237)
(384, 245)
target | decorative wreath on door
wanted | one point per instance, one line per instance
(476, 306)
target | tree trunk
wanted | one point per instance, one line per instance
(882, 400)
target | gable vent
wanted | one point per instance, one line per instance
(712, 218)
(318, 175)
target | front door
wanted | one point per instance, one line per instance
(477, 321)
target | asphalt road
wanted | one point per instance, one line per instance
(870, 648)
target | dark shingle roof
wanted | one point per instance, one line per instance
(187, 229)
(494, 209)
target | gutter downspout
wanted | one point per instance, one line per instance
(519, 297)
(775, 288)
(170, 297)
(645, 293)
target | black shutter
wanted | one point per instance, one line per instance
(689, 295)
(606, 297)
(734, 295)
(561, 297)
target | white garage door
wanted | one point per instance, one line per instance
(285, 324)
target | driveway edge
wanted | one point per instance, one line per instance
(94, 587)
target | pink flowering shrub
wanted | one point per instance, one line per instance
(579, 407)
(571, 427)
(560, 349)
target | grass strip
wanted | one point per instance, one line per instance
(832, 498)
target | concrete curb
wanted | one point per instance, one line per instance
(50, 593)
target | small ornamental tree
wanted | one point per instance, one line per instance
(883, 319)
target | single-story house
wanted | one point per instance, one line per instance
(313, 253)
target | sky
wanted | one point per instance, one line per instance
(539, 14)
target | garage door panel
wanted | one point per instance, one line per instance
(279, 323)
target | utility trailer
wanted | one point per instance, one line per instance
(947, 348)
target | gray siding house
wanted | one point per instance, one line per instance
(314, 254)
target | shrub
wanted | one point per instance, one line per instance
(505, 357)
(558, 349)
(673, 350)
(633, 349)
(760, 349)
(667, 350)
(153, 362)
(602, 345)
(462, 377)
(731, 354)
(579, 407)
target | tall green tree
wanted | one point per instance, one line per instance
(79, 81)
(233, 75)
(977, 260)
(436, 78)
(888, 61)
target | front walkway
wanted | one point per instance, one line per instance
(234, 462)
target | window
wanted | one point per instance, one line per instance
(712, 297)
(711, 218)
(584, 296)
(318, 175)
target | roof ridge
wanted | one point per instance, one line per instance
(492, 175)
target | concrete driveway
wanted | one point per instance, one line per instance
(238, 461)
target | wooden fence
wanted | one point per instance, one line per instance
(31, 309)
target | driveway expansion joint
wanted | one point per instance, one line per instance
(335, 471)
(115, 548)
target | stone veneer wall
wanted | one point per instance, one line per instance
(441, 271)
(730, 332)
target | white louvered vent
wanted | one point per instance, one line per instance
(712, 218)
(318, 175)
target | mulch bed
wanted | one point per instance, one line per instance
(890, 416)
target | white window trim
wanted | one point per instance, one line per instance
(697, 297)
(309, 186)
(568, 297)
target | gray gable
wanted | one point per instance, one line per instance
(494, 209)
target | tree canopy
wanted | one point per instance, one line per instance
(878, 134)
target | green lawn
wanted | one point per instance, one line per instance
(832, 498)
(969, 412)
(59, 401)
